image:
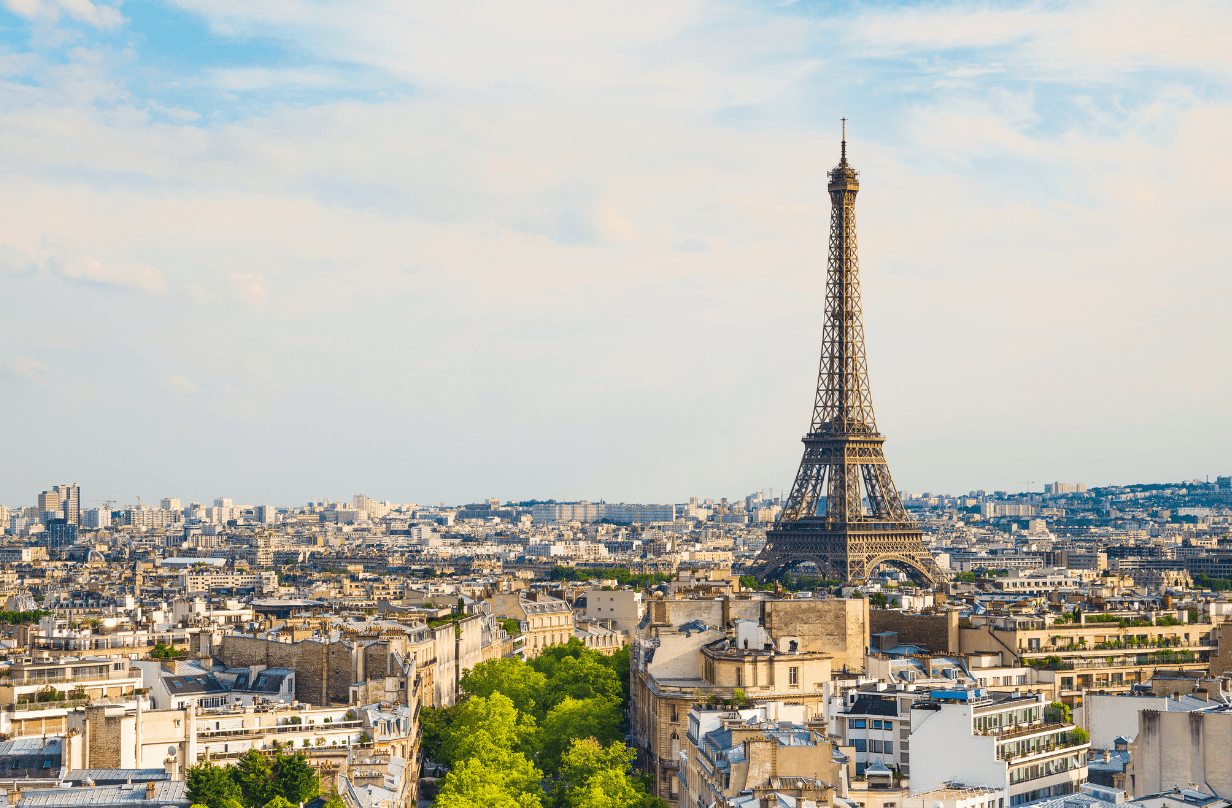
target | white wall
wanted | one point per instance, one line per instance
(1106, 717)
(943, 748)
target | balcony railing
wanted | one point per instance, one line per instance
(1020, 730)
(279, 729)
(1121, 661)
(1042, 749)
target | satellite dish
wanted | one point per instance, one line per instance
(171, 751)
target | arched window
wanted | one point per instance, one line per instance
(675, 746)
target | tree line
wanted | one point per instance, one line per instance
(20, 618)
(547, 733)
(257, 780)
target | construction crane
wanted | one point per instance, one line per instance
(1029, 484)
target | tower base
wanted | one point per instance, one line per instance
(847, 554)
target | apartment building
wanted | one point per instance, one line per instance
(1091, 655)
(210, 579)
(1177, 749)
(770, 650)
(542, 619)
(998, 740)
(728, 754)
(68, 680)
(624, 607)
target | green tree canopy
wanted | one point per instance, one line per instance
(525, 686)
(212, 786)
(296, 781)
(583, 678)
(593, 776)
(435, 723)
(495, 778)
(488, 721)
(596, 718)
(255, 777)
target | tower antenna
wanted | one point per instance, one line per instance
(844, 140)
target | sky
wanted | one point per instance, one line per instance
(295, 250)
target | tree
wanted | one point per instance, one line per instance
(277, 802)
(296, 781)
(1057, 712)
(583, 678)
(607, 789)
(435, 723)
(596, 718)
(255, 777)
(164, 651)
(591, 775)
(525, 686)
(212, 786)
(492, 721)
(1078, 735)
(496, 778)
(619, 663)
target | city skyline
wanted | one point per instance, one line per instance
(280, 250)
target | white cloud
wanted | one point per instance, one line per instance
(201, 295)
(95, 14)
(30, 368)
(15, 259)
(180, 385)
(251, 288)
(63, 258)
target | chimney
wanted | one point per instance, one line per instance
(1107, 756)
(149, 791)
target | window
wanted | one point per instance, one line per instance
(876, 725)
(876, 746)
(120, 665)
(675, 714)
(889, 747)
(793, 676)
(856, 723)
(740, 677)
(860, 744)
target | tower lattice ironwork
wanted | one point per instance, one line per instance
(844, 513)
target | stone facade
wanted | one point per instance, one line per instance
(936, 632)
(1175, 750)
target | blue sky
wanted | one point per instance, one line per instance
(428, 252)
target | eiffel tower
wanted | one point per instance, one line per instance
(825, 520)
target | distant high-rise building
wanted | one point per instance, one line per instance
(170, 504)
(60, 534)
(49, 501)
(96, 518)
(1064, 488)
(223, 502)
(70, 502)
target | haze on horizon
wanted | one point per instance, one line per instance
(286, 251)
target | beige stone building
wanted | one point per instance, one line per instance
(544, 620)
(703, 651)
(772, 747)
(1181, 750)
(1092, 655)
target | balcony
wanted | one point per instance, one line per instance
(1153, 658)
(1043, 750)
(1013, 731)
